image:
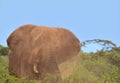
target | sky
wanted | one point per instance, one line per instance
(87, 19)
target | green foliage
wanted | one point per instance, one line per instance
(3, 51)
(100, 67)
(105, 43)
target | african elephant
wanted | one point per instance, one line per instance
(35, 51)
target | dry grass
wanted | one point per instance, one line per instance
(67, 68)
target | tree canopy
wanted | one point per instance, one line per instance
(106, 44)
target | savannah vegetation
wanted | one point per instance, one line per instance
(102, 66)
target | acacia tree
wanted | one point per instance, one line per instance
(106, 44)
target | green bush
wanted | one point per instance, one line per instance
(99, 67)
(3, 51)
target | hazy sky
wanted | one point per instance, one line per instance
(87, 19)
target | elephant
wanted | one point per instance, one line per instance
(35, 51)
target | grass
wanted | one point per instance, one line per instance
(4, 75)
(85, 68)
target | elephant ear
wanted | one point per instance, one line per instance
(35, 68)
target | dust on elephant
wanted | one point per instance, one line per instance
(35, 51)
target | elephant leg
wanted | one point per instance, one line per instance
(51, 66)
(46, 66)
